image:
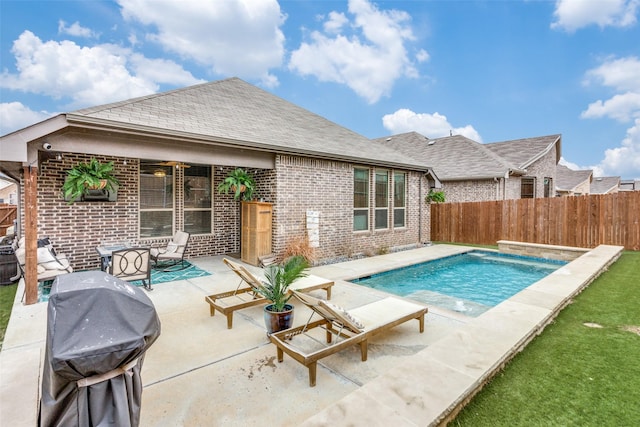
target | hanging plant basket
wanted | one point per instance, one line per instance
(240, 183)
(88, 177)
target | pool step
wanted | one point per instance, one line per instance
(515, 260)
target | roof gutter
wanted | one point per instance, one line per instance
(504, 175)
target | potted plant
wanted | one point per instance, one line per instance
(88, 176)
(279, 314)
(240, 182)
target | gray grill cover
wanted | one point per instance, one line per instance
(96, 323)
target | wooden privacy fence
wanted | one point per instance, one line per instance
(580, 221)
(7, 216)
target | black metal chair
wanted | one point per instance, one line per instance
(168, 257)
(132, 264)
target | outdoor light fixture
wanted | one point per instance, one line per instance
(159, 173)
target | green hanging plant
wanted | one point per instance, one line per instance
(434, 196)
(88, 176)
(240, 182)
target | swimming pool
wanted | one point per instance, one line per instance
(470, 283)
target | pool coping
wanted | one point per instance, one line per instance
(432, 386)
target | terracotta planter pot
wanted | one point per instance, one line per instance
(277, 321)
(103, 183)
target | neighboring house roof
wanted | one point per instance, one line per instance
(522, 153)
(452, 157)
(604, 184)
(629, 185)
(4, 182)
(228, 112)
(568, 179)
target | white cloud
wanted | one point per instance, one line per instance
(335, 22)
(368, 59)
(75, 30)
(430, 125)
(597, 170)
(621, 107)
(14, 116)
(422, 55)
(570, 165)
(621, 75)
(624, 160)
(86, 75)
(232, 37)
(571, 15)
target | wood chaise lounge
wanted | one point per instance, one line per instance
(244, 296)
(350, 328)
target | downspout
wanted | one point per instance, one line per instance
(420, 208)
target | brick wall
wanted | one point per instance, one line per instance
(327, 187)
(472, 190)
(296, 185)
(78, 228)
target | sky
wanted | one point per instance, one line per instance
(489, 70)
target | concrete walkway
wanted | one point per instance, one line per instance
(201, 373)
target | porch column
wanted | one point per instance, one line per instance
(31, 234)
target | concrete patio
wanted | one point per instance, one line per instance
(201, 373)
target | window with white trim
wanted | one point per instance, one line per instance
(381, 199)
(156, 200)
(399, 199)
(360, 199)
(198, 208)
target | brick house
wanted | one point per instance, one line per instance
(471, 171)
(573, 182)
(171, 150)
(605, 185)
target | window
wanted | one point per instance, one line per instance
(548, 186)
(197, 200)
(399, 199)
(360, 199)
(156, 200)
(382, 200)
(527, 188)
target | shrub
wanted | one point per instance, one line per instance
(299, 246)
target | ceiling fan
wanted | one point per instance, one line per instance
(172, 164)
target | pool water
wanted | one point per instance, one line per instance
(470, 283)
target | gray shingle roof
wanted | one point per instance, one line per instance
(604, 184)
(452, 157)
(233, 112)
(523, 152)
(568, 179)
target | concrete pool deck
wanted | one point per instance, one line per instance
(201, 373)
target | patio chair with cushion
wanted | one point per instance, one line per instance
(350, 328)
(50, 264)
(132, 264)
(168, 257)
(244, 295)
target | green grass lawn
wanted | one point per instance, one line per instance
(7, 294)
(573, 374)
